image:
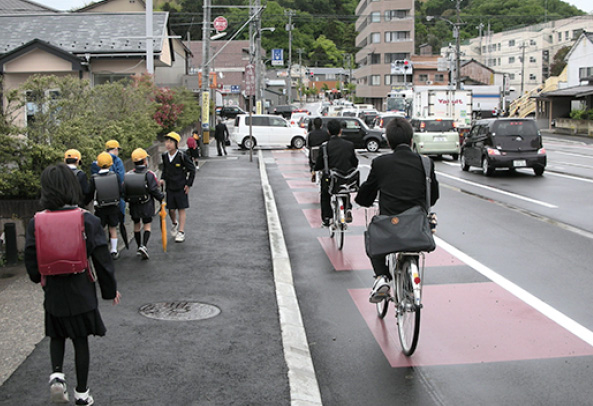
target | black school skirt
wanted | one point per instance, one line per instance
(81, 325)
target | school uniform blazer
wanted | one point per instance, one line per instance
(70, 295)
(179, 172)
(341, 155)
(400, 179)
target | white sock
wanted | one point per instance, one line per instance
(113, 245)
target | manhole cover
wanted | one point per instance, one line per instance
(179, 311)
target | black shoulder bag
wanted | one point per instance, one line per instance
(408, 231)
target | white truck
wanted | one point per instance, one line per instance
(486, 100)
(455, 104)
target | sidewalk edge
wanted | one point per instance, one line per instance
(304, 388)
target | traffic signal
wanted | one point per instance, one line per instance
(402, 67)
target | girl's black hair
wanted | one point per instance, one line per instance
(59, 187)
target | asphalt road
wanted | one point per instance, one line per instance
(506, 317)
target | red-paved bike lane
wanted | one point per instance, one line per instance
(491, 325)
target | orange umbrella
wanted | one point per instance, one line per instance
(163, 216)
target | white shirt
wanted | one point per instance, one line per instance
(172, 157)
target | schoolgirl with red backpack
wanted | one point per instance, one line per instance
(66, 251)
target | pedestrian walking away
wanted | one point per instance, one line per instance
(105, 190)
(193, 151)
(73, 159)
(141, 188)
(341, 157)
(221, 134)
(178, 177)
(400, 180)
(61, 242)
(112, 148)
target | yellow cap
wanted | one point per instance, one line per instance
(174, 136)
(104, 160)
(112, 144)
(72, 153)
(138, 155)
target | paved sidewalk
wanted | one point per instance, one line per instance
(234, 358)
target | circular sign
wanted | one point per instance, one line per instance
(220, 23)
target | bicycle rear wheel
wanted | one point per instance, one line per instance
(408, 314)
(339, 223)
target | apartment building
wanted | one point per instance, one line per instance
(385, 34)
(524, 55)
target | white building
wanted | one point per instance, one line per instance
(524, 55)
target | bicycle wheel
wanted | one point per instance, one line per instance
(408, 314)
(382, 307)
(340, 236)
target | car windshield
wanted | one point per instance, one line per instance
(511, 128)
(438, 125)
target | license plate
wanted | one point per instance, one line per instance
(519, 163)
(440, 138)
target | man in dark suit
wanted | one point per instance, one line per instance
(314, 140)
(341, 157)
(400, 178)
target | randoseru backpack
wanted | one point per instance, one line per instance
(136, 187)
(60, 242)
(106, 189)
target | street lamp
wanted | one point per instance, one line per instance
(457, 44)
(256, 59)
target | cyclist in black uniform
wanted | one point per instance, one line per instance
(342, 158)
(400, 179)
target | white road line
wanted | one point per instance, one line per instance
(539, 305)
(561, 175)
(571, 154)
(503, 192)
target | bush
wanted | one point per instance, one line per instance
(582, 114)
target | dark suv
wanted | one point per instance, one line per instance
(285, 110)
(229, 111)
(355, 131)
(503, 143)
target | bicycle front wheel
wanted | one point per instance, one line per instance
(382, 307)
(408, 313)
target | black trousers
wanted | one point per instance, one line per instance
(325, 200)
(379, 266)
(220, 147)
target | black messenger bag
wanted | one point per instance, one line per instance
(408, 231)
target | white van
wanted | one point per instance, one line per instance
(267, 129)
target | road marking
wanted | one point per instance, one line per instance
(544, 308)
(572, 154)
(503, 192)
(562, 175)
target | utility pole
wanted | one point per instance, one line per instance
(149, 44)
(206, 76)
(300, 52)
(257, 53)
(289, 13)
(523, 46)
(457, 46)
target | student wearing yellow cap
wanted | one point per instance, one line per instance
(178, 175)
(141, 187)
(106, 189)
(73, 159)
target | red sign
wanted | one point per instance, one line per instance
(220, 23)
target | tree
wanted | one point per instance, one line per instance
(325, 53)
(558, 63)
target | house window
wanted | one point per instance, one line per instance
(511, 59)
(532, 76)
(375, 59)
(398, 56)
(102, 79)
(395, 14)
(375, 80)
(439, 77)
(498, 46)
(423, 78)
(375, 37)
(512, 43)
(532, 42)
(395, 36)
(559, 37)
(585, 72)
(41, 102)
(376, 17)
(484, 49)
(565, 35)
(532, 59)
(511, 76)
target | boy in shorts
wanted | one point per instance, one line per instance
(178, 176)
(105, 189)
(141, 187)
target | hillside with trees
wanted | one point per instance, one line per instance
(325, 29)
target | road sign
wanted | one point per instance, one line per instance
(220, 23)
(235, 89)
(277, 57)
(249, 80)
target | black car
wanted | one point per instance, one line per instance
(285, 110)
(229, 111)
(355, 131)
(504, 143)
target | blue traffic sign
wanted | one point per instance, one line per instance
(277, 57)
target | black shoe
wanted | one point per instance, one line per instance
(325, 223)
(115, 255)
(348, 216)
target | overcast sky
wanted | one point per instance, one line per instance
(585, 5)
